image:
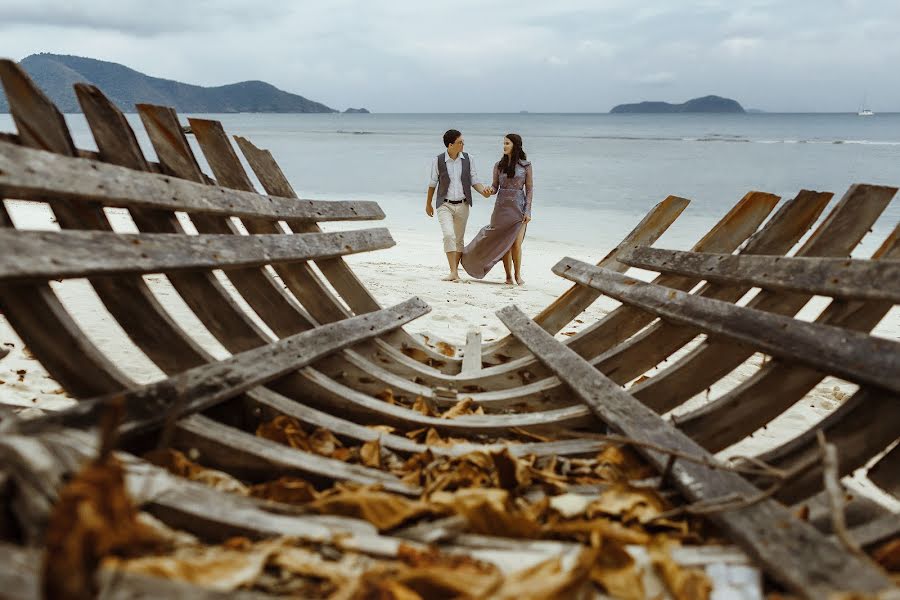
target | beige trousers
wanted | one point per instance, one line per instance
(452, 218)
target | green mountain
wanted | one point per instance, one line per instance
(706, 104)
(56, 73)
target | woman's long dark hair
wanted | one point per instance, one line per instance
(508, 162)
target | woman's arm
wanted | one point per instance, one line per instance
(529, 191)
(495, 182)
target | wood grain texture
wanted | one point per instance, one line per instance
(836, 277)
(43, 255)
(30, 174)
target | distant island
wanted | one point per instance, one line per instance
(357, 111)
(56, 73)
(706, 104)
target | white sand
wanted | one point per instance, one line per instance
(412, 268)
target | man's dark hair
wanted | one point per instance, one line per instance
(450, 136)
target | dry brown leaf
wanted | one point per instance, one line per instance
(466, 406)
(624, 462)
(386, 395)
(425, 406)
(549, 580)
(289, 490)
(370, 453)
(683, 583)
(583, 529)
(382, 509)
(512, 472)
(216, 567)
(446, 349)
(615, 571)
(630, 504)
(488, 511)
(888, 555)
(94, 518)
(177, 463)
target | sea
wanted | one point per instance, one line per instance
(595, 175)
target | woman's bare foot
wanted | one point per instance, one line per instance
(509, 281)
(520, 281)
(450, 277)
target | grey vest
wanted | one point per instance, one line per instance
(444, 178)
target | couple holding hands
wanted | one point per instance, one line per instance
(454, 176)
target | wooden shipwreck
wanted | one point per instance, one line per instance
(311, 346)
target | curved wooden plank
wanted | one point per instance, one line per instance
(328, 395)
(265, 404)
(197, 389)
(250, 457)
(43, 255)
(844, 278)
(34, 311)
(860, 428)
(29, 174)
(852, 355)
(793, 552)
(776, 386)
(847, 223)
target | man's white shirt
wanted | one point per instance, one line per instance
(454, 172)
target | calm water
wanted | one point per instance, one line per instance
(595, 175)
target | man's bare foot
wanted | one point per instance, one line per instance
(450, 277)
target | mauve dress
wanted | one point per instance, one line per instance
(494, 240)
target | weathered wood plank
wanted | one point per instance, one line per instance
(874, 532)
(855, 356)
(837, 235)
(861, 428)
(836, 277)
(35, 312)
(471, 362)
(886, 472)
(791, 551)
(200, 388)
(777, 386)
(250, 457)
(29, 174)
(43, 255)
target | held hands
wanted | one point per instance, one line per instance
(486, 191)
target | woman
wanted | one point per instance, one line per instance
(502, 238)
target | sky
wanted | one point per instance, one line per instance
(477, 56)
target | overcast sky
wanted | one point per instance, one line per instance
(506, 56)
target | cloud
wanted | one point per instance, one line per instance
(567, 55)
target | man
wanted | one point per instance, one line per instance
(454, 176)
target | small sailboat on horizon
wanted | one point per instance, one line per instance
(864, 111)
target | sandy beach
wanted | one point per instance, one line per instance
(412, 267)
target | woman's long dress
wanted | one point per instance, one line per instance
(512, 204)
